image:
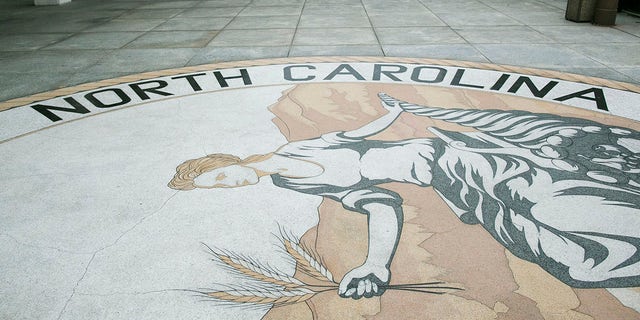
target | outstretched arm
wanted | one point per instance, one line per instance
(377, 125)
(385, 225)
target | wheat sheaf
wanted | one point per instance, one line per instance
(272, 287)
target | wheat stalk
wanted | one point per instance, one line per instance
(257, 271)
(263, 296)
(290, 290)
(293, 291)
(307, 260)
(307, 263)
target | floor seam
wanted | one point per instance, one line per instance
(373, 28)
(295, 31)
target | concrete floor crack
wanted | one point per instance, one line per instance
(138, 223)
(73, 292)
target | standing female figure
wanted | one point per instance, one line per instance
(525, 177)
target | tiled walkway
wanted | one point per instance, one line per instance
(43, 48)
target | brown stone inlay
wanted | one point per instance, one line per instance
(435, 245)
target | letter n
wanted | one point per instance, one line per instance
(538, 93)
(46, 110)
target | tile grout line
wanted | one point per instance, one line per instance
(111, 51)
(373, 28)
(218, 33)
(295, 30)
(621, 30)
(72, 34)
(592, 59)
(474, 45)
(143, 33)
(457, 33)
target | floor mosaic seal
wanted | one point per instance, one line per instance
(323, 188)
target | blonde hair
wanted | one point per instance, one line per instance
(187, 171)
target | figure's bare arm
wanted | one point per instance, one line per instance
(370, 279)
(377, 125)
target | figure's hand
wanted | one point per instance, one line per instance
(364, 281)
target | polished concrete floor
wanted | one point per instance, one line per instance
(44, 48)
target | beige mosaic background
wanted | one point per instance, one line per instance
(435, 245)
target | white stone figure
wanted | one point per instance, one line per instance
(560, 192)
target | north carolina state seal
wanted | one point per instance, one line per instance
(337, 189)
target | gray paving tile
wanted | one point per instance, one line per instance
(329, 9)
(272, 11)
(45, 25)
(25, 42)
(605, 73)
(379, 7)
(151, 14)
(633, 29)
(633, 73)
(223, 3)
(14, 12)
(456, 6)
(83, 77)
(478, 18)
(50, 60)
(87, 15)
(502, 34)
(402, 14)
(351, 50)
(585, 33)
(212, 55)
(335, 21)
(127, 25)
(173, 39)
(612, 54)
(330, 2)
(5, 14)
(536, 55)
(625, 18)
(266, 28)
(169, 4)
(393, 3)
(4, 56)
(276, 2)
(110, 5)
(264, 22)
(560, 4)
(521, 6)
(142, 60)
(263, 37)
(418, 35)
(394, 19)
(16, 85)
(184, 24)
(98, 40)
(335, 37)
(210, 12)
(464, 52)
(541, 18)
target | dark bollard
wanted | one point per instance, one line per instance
(580, 10)
(605, 12)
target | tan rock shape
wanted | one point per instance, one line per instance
(435, 244)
